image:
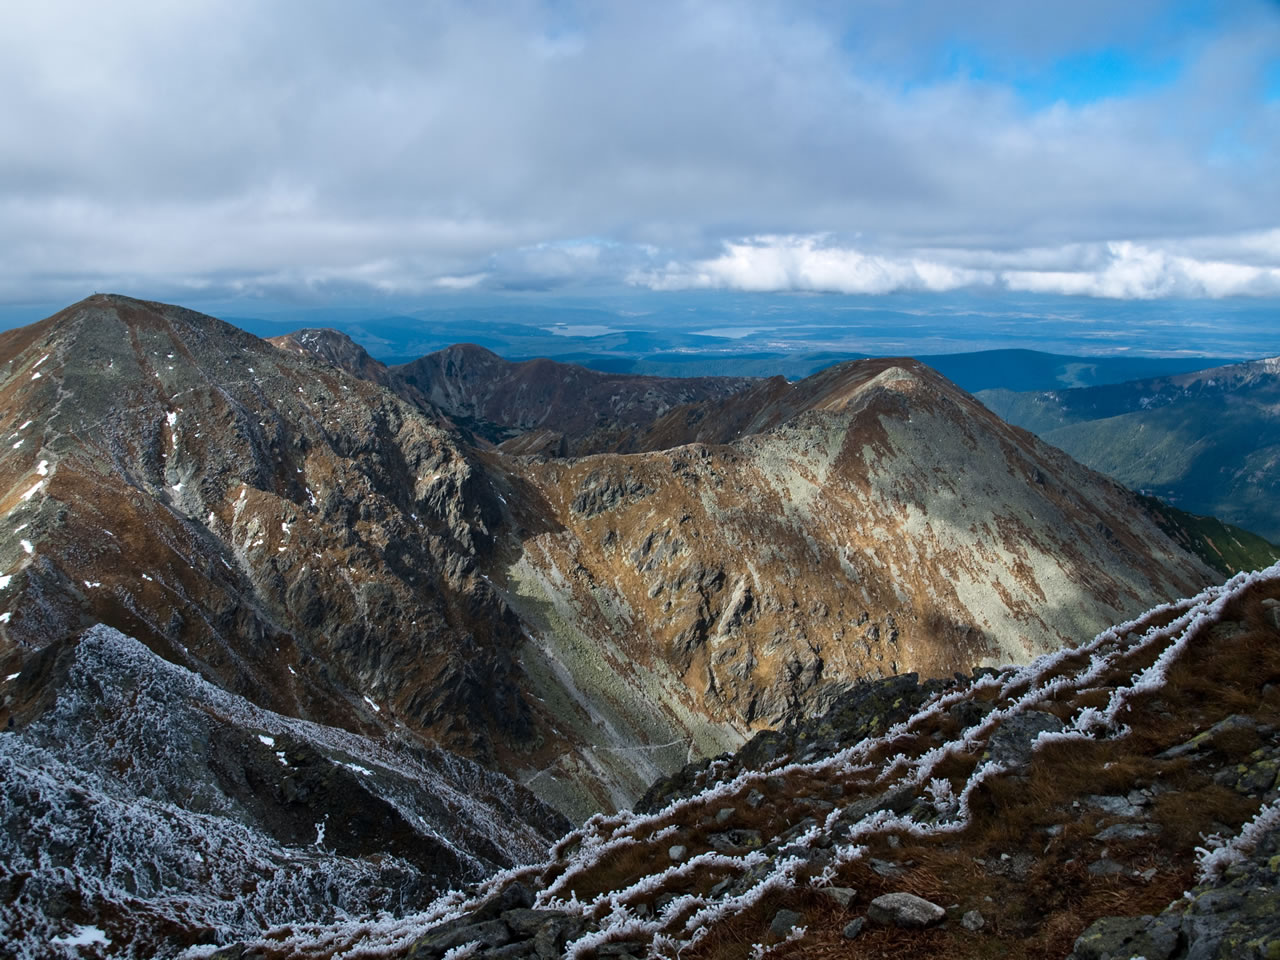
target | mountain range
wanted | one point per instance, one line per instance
(303, 637)
(1207, 442)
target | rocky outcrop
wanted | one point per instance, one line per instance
(573, 410)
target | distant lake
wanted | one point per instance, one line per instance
(580, 330)
(730, 333)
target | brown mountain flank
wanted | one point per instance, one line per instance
(329, 538)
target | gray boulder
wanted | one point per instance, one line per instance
(905, 910)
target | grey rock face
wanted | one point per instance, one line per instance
(1011, 744)
(1235, 916)
(784, 921)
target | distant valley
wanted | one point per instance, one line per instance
(1207, 442)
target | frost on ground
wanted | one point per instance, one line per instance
(147, 804)
(672, 903)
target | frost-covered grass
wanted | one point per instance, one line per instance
(1129, 661)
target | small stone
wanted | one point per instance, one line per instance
(725, 814)
(732, 840)
(677, 851)
(853, 928)
(754, 799)
(1127, 831)
(783, 922)
(1105, 868)
(904, 910)
(1054, 830)
(1116, 806)
(843, 896)
(885, 868)
(973, 921)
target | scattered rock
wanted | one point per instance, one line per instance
(885, 868)
(754, 799)
(1115, 806)
(1232, 724)
(843, 896)
(735, 840)
(1154, 938)
(1127, 831)
(1105, 867)
(853, 928)
(1011, 745)
(904, 910)
(677, 851)
(433, 946)
(725, 814)
(973, 921)
(784, 921)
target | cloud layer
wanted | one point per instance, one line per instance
(318, 146)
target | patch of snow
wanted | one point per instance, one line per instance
(363, 771)
(281, 757)
(17, 445)
(4, 581)
(13, 676)
(35, 376)
(268, 741)
(26, 545)
(40, 361)
(93, 583)
(82, 937)
(376, 708)
(145, 577)
(291, 670)
(25, 425)
(177, 487)
(4, 617)
(32, 492)
(42, 468)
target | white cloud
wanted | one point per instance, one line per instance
(1119, 270)
(807, 263)
(414, 147)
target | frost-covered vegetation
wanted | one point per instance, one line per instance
(151, 805)
(617, 877)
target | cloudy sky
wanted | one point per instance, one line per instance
(317, 149)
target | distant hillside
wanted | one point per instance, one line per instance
(977, 370)
(1207, 442)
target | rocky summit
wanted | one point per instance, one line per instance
(292, 643)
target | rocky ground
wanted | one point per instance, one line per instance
(1118, 800)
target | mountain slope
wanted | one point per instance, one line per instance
(871, 520)
(576, 411)
(143, 801)
(1026, 807)
(297, 536)
(335, 551)
(1207, 442)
